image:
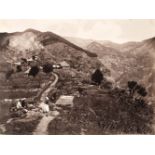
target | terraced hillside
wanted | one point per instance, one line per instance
(21, 86)
(49, 47)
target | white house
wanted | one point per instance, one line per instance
(64, 64)
(65, 100)
(57, 66)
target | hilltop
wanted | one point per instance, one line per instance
(31, 39)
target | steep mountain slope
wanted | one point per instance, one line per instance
(80, 42)
(49, 47)
(102, 50)
(110, 57)
(123, 47)
(128, 61)
(25, 44)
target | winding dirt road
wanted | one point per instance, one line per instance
(49, 88)
(41, 128)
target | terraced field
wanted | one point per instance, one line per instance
(21, 86)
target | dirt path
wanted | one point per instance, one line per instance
(43, 125)
(46, 89)
(41, 129)
(49, 88)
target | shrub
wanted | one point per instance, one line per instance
(134, 87)
(47, 68)
(97, 77)
(19, 68)
(33, 71)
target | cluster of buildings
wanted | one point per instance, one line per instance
(26, 64)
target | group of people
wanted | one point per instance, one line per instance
(23, 106)
(20, 104)
(44, 106)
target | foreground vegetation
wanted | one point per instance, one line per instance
(98, 107)
(102, 109)
(105, 113)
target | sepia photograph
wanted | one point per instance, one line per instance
(77, 77)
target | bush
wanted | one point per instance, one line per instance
(47, 68)
(97, 77)
(115, 112)
(134, 87)
(33, 71)
(19, 68)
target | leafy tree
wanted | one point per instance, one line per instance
(47, 68)
(139, 103)
(19, 68)
(142, 91)
(80, 90)
(97, 77)
(9, 73)
(132, 85)
(33, 71)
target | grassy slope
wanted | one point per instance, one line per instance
(56, 49)
(19, 127)
(99, 111)
(104, 113)
(20, 85)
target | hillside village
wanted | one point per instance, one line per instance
(64, 89)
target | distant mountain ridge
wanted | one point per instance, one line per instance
(44, 38)
(48, 46)
(127, 61)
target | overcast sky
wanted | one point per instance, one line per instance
(113, 30)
